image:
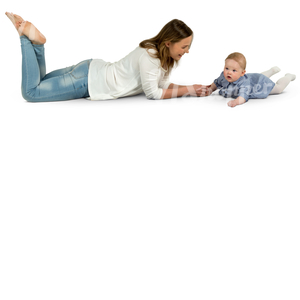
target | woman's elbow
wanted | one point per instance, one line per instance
(153, 96)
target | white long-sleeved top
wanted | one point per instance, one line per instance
(135, 73)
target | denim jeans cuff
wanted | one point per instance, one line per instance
(24, 39)
(35, 45)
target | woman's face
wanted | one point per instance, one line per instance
(177, 50)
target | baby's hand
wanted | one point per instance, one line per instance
(232, 103)
(201, 90)
(209, 89)
(237, 101)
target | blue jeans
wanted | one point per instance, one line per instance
(63, 84)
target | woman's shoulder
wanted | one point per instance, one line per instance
(152, 51)
(149, 51)
(149, 55)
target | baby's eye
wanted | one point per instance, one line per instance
(226, 68)
(234, 70)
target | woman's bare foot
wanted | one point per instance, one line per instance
(16, 20)
(32, 33)
(26, 28)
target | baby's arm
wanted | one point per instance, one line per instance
(217, 84)
(243, 94)
(211, 88)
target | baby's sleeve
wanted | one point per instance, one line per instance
(245, 90)
(218, 81)
(149, 71)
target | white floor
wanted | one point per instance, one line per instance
(179, 199)
(178, 194)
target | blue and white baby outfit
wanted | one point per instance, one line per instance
(249, 86)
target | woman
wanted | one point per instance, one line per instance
(146, 69)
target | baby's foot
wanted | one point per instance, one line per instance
(291, 76)
(16, 20)
(275, 69)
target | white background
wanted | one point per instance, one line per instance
(184, 198)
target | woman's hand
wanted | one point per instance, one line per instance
(208, 89)
(201, 90)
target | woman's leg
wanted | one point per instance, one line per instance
(40, 56)
(35, 36)
(282, 83)
(72, 84)
(59, 72)
(271, 72)
(63, 84)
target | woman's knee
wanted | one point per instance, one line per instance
(28, 96)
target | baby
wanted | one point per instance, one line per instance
(235, 83)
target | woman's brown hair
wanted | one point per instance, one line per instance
(173, 32)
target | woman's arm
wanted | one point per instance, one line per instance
(174, 91)
(174, 86)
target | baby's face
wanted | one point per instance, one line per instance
(232, 70)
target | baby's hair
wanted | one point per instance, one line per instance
(239, 58)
